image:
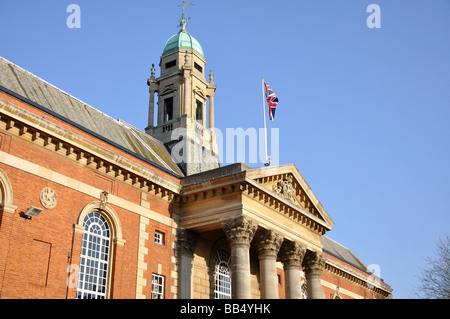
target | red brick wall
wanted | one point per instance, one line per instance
(82, 133)
(35, 254)
(345, 284)
(25, 243)
(159, 254)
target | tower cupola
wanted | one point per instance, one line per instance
(183, 122)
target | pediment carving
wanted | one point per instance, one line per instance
(284, 188)
(287, 183)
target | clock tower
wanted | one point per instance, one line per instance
(183, 116)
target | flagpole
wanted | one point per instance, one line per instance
(265, 129)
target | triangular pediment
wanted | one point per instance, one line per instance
(287, 183)
(200, 93)
(168, 89)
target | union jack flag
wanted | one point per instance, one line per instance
(272, 100)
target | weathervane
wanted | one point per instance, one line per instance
(184, 21)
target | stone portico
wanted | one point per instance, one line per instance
(270, 221)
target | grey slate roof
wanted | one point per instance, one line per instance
(69, 108)
(341, 252)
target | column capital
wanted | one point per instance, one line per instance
(240, 230)
(268, 242)
(187, 240)
(314, 262)
(292, 253)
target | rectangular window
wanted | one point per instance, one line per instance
(157, 287)
(171, 64)
(168, 109)
(198, 67)
(199, 112)
(159, 238)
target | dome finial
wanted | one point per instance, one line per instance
(184, 21)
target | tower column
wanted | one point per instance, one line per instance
(212, 89)
(187, 87)
(211, 112)
(153, 87)
(268, 243)
(239, 232)
(151, 109)
(203, 117)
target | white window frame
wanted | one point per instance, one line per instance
(304, 292)
(159, 238)
(94, 258)
(157, 286)
(222, 275)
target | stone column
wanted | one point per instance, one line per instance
(314, 263)
(187, 87)
(211, 112)
(203, 117)
(188, 242)
(291, 255)
(267, 244)
(239, 232)
(151, 109)
(153, 85)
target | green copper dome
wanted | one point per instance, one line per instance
(183, 40)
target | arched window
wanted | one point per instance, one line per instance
(95, 250)
(6, 194)
(222, 275)
(304, 292)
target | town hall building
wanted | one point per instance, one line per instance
(92, 207)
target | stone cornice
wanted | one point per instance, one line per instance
(42, 133)
(286, 207)
(239, 183)
(304, 195)
(340, 269)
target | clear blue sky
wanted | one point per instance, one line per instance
(364, 113)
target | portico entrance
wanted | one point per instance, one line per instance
(264, 220)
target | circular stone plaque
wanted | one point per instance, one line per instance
(48, 198)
